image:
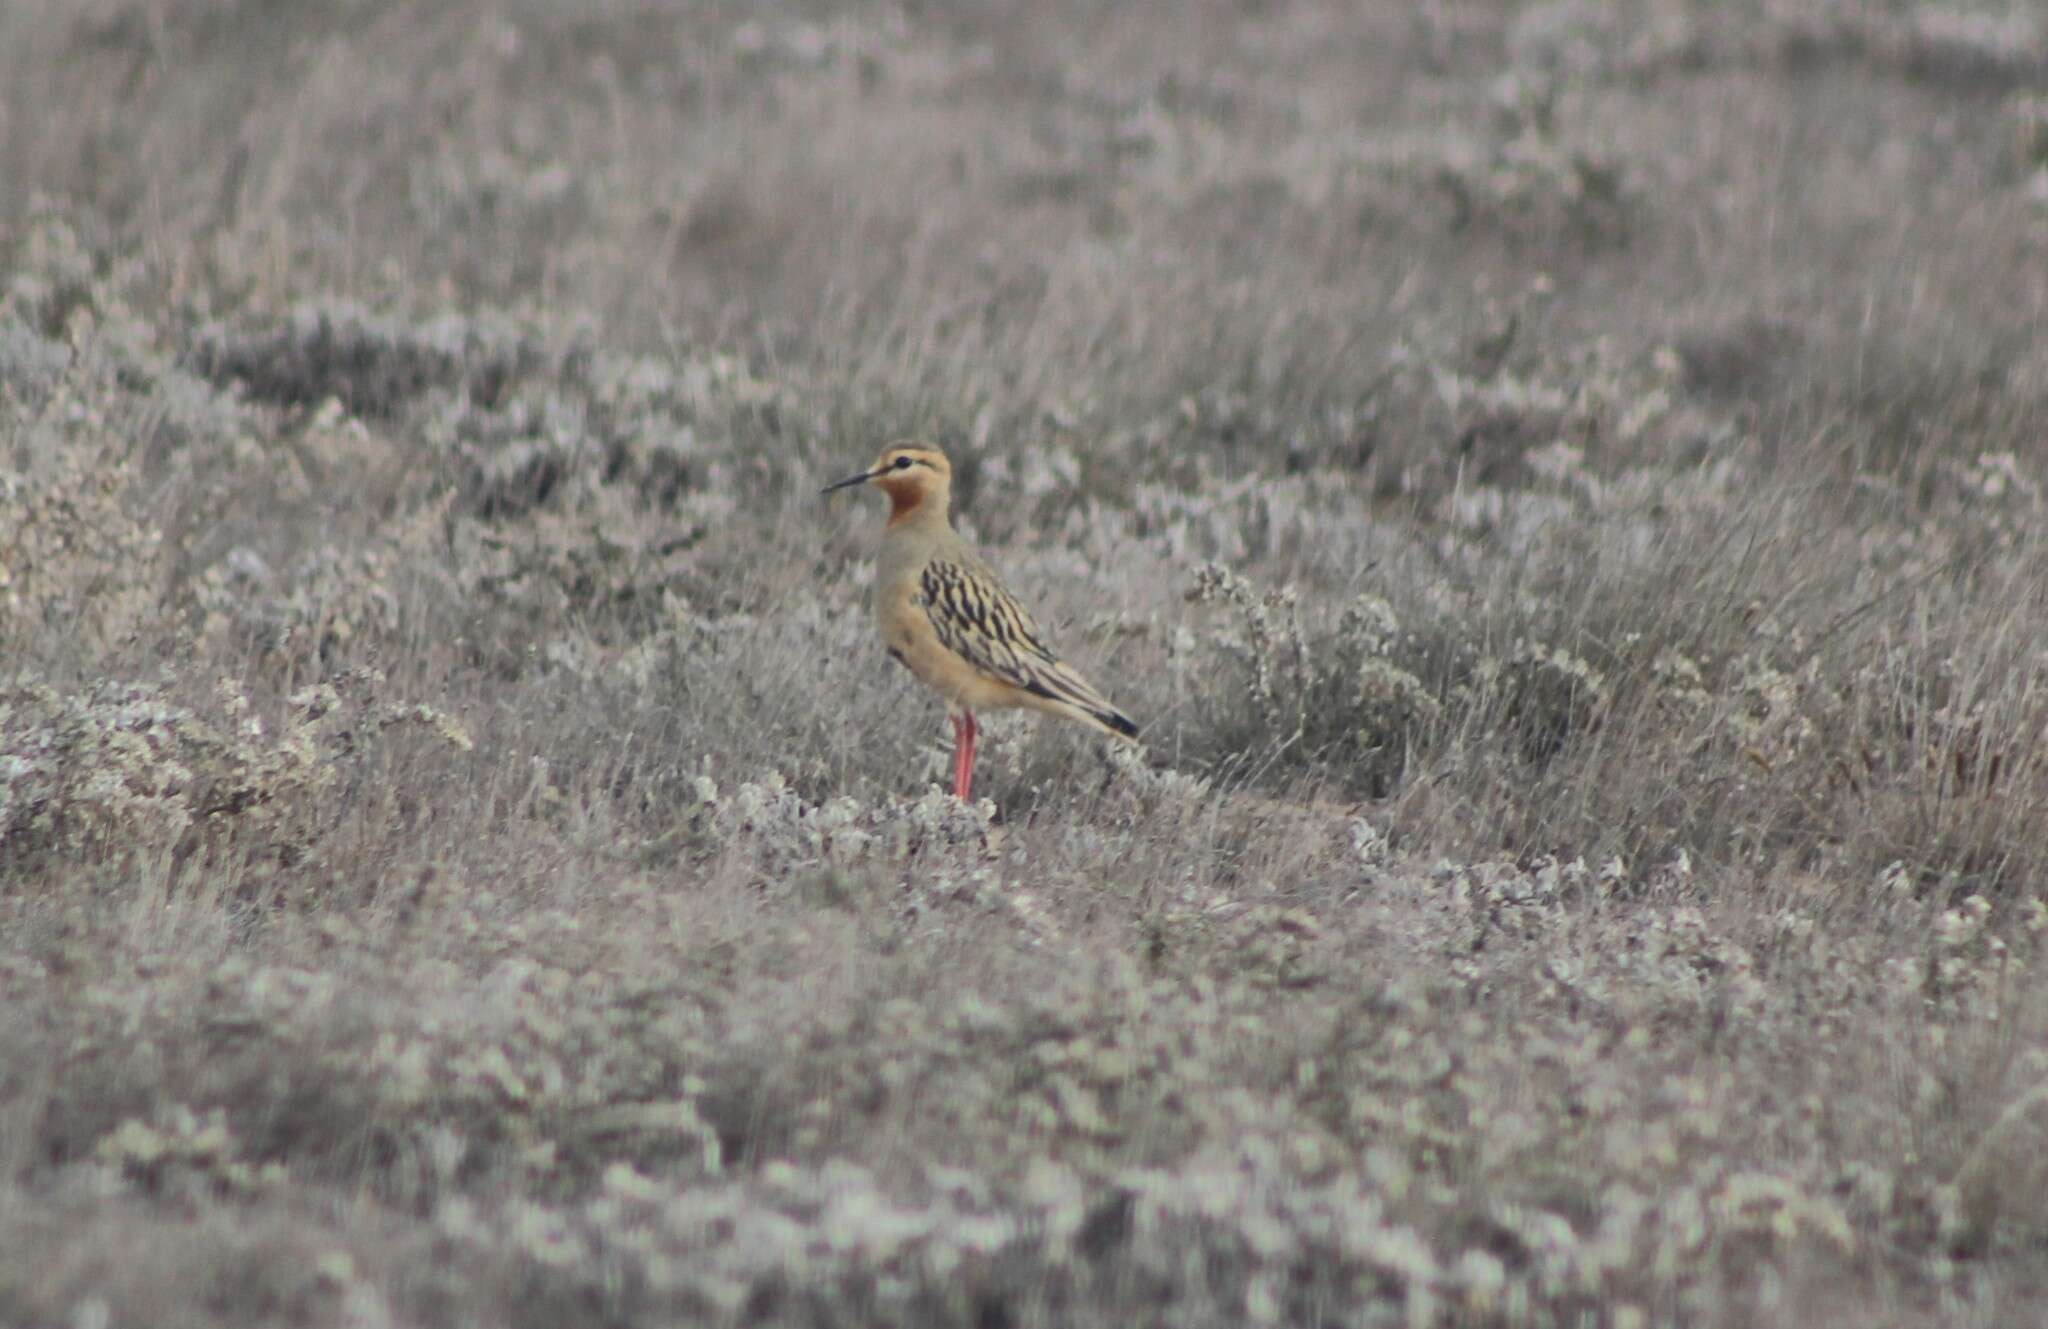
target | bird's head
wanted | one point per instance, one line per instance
(916, 477)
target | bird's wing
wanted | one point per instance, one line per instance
(979, 621)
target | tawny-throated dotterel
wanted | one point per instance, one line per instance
(944, 615)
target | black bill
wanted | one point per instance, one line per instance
(860, 479)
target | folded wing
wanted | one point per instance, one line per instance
(976, 619)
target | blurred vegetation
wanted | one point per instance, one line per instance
(1560, 484)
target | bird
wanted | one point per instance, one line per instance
(946, 616)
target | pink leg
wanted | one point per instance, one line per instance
(964, 731)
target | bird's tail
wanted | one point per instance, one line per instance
(1071, 695)
(1116, 722)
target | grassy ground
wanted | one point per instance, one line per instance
(1561, 485)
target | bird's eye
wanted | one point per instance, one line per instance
(903, 463)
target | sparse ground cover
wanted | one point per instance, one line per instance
(1561, 484)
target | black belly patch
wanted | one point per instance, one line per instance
(897, 656)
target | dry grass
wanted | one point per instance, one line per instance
(1561, 484)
